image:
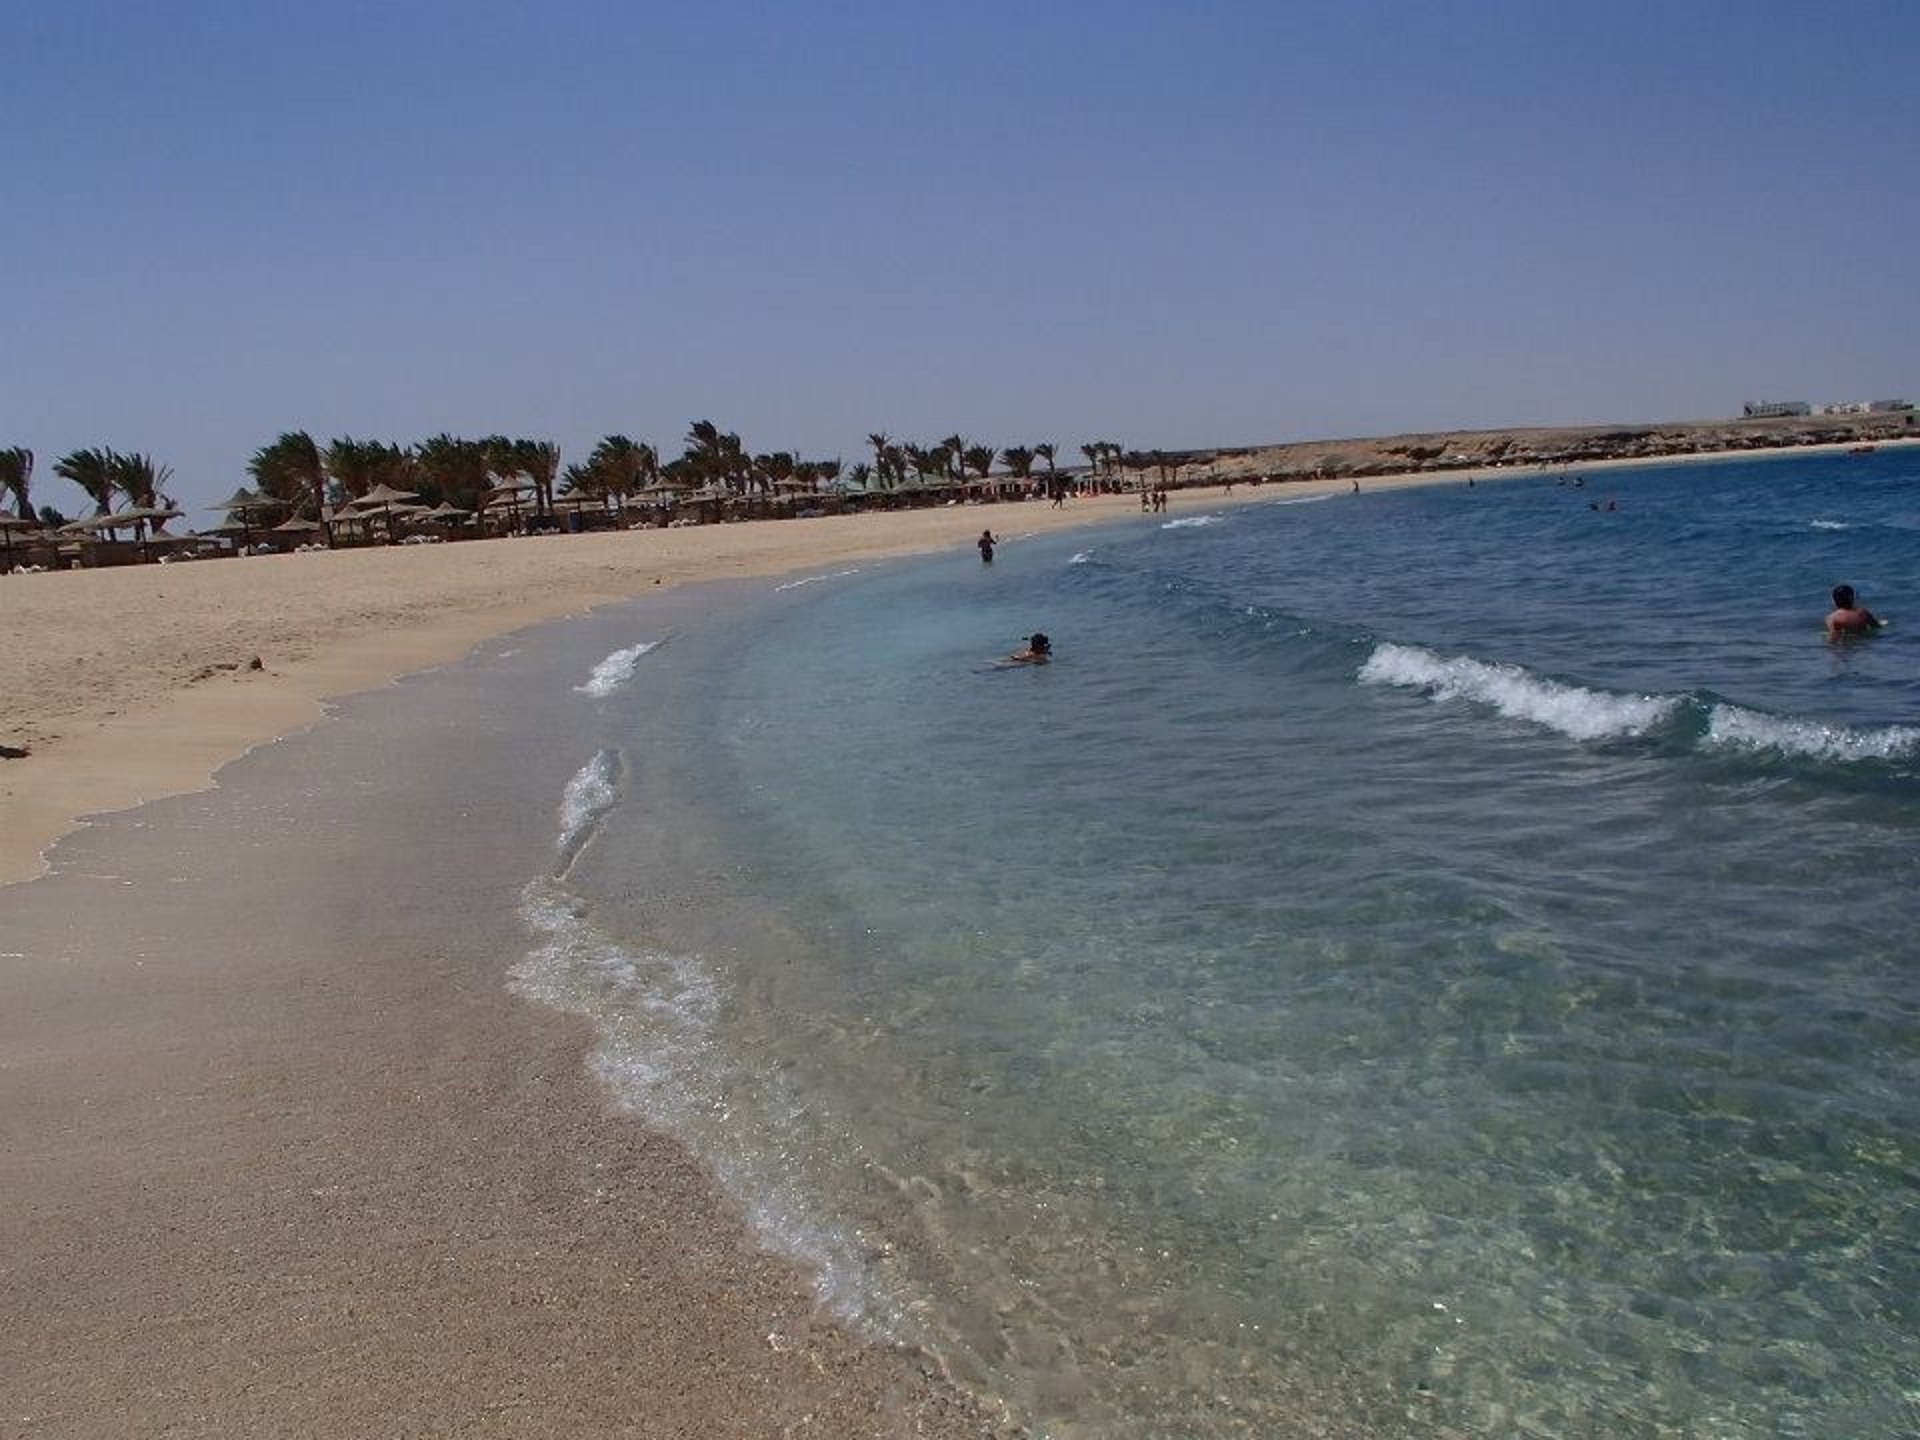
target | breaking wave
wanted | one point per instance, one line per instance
(1192, 522)
(614, 671)
(1516, 692)
(1731, 727)
(1698, 721)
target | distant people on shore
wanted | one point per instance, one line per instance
(1146, 500)
(1038, 652)
(985, 542)
(1848, 617)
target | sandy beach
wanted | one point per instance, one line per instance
(132, 683)
(347, 1183)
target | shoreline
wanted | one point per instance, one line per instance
(348, 1175)
(114, 716)
(292, 1158)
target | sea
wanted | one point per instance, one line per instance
(1438, 962)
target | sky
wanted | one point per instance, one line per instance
(1170, 225)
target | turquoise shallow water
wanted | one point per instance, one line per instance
(1426, 963)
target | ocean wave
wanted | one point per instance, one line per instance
(614, 671)
(1828, 525)
(1081, 557)
(1303, 499)
(1514, 691)
(1734, 728)
(1192, 522)
(589, 795)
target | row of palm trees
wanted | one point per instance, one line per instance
(104, 474)
(309, 478)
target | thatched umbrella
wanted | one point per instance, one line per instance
(445, 513)
(243, 509)
(508, 495)
(298, 525)
(382, 497)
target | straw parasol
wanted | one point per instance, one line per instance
(445, 510)
(382, 498)
(298, 525)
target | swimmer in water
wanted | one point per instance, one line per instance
(1038, 652)
(985, 542)
(1848, 617)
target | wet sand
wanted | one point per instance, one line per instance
(283, 1156)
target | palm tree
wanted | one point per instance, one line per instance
(1093, 450)
(1046, 451)
(356, 466)
(539, 462)
(290, 469)
(16, 478)
(93, 470)
(616, 468)
(453, 470)
(718, 456)
(1019, 460)
(860, 476)
(956, 449)
(979, 459)
(139, 479)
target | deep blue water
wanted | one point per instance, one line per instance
(1426, 963)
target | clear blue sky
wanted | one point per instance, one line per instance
(1171, 225)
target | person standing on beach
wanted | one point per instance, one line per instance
(1849, 617)
(985, 542)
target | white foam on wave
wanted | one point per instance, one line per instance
(1731, 727)
(614, 671)
(1572, 710)
(1081, 557)
(655, 1015)
(810, 579)
(1828, 525)
(1304, 499)
(588, 796)
(1192, 522)
(576, 968)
